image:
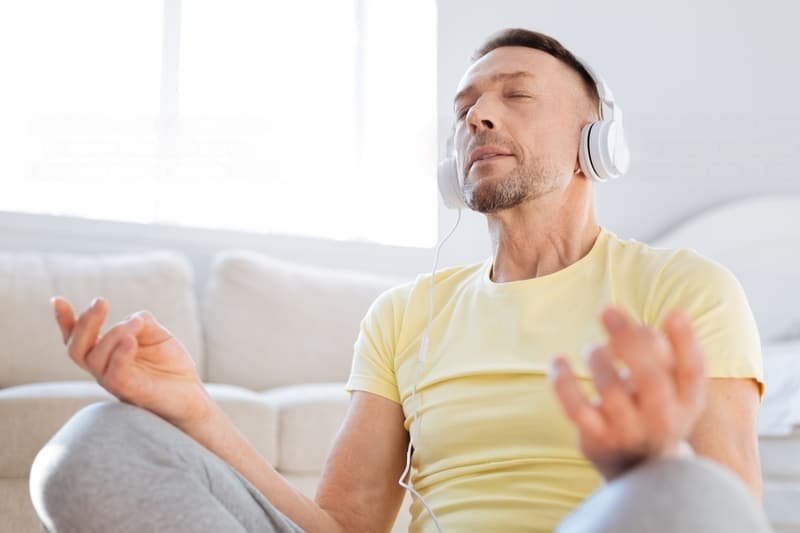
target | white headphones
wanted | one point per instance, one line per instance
(603, 151)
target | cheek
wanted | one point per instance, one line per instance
(555, 140)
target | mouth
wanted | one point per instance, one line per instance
(490, 158)
(487, 154)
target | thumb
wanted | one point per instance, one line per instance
(115, 378)
(147, 330)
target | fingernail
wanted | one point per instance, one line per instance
(94, 303)
(588, 348)
(555, 369)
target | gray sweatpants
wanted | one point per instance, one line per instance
(117, 468)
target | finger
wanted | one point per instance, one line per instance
(574, 403)
(645, 352)
(690, 366)
(616, 400)
(116, 376)
(618, 324)
(84, 334)
(65, 316)
(98, 357)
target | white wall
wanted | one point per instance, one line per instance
(709, 90)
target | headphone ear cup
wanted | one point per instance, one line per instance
(603, 151)
(450, 185)
(585, 154)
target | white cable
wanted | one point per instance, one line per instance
(423, 352)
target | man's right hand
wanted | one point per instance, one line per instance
(137, 360)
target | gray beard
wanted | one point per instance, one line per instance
(527, 182)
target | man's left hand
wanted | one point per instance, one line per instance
(649, 409)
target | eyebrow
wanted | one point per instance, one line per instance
(500, 76)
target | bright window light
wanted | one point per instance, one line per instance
(312, 118)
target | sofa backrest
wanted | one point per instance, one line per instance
(31, 347)
(269, 322)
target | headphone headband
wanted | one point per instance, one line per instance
(603, 92)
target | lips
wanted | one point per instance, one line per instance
(486, 152)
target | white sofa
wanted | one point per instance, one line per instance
(272, 340)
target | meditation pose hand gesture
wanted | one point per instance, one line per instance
(137, 360)
(652, 409)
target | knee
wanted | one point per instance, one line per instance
(693, 482)
(687, 494)
(68, 474)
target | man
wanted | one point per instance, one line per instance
(493, 450)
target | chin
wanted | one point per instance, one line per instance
(489, 196)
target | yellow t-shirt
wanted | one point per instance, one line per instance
(494, 451)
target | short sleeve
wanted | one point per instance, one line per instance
(718, 309)
(372, 368)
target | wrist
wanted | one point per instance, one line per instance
(611, 470)
(201, 413)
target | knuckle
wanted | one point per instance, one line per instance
(616, 395)
(117, 330)
(649, 376)
(144, 314)
(73, 352)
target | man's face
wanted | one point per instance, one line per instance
(519, 112)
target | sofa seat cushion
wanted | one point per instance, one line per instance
(33, 350)
(31, 414)
(309, 418)
(270, 323)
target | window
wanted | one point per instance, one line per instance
(312, 118)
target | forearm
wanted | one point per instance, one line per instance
(218, 434)
(742, 461)
(726, 432)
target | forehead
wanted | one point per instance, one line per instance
(507, 60)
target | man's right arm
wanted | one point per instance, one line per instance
(359, 488)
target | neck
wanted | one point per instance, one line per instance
(542, 235)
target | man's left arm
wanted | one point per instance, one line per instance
(726, 429)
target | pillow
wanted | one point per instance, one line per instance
(780, 408)
(31, 347)
(270, 323)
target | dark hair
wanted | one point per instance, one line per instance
(538, 41)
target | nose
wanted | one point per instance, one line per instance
(481, 116)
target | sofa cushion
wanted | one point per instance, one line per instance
(270, 323)
(31, 414)
(31, 347)
(309, 417)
